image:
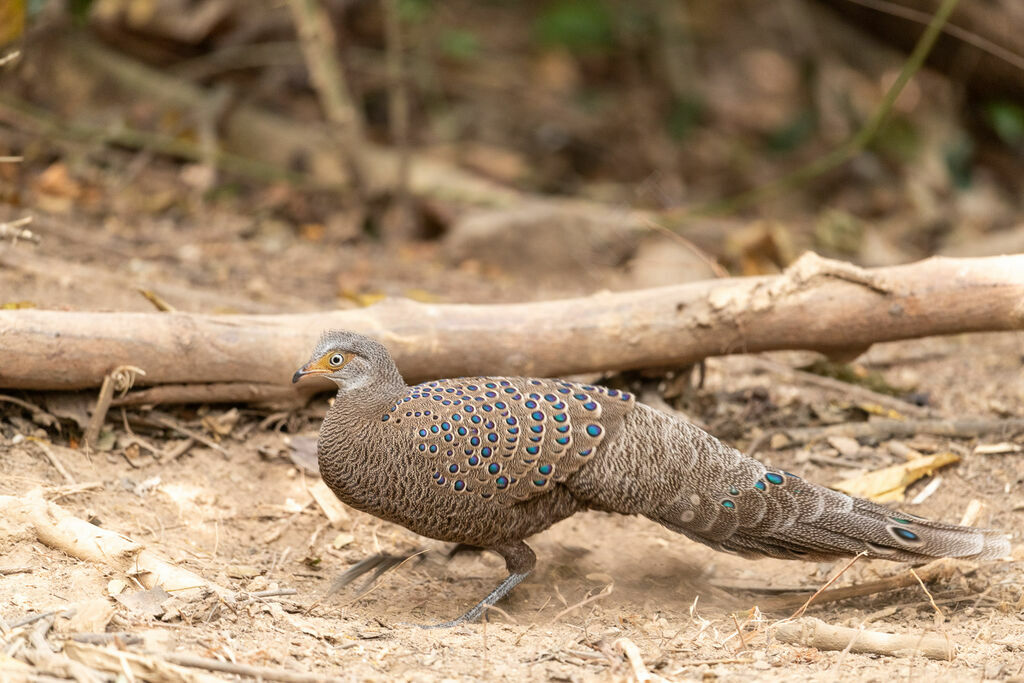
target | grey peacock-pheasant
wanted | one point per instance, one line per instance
(489, 461)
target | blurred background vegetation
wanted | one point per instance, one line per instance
(130, 124)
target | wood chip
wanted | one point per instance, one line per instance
(335, 510)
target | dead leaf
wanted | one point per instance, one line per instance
(890, 483)
(149, 602)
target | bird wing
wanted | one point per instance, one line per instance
(507, 438)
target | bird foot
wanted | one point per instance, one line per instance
(503, 588)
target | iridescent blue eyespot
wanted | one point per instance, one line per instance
(440, 480)
(423, 447)
(494, 468)
(733, 491)
(486, 451)
(561, 417)
(563, 429)
(544, 469)
(468, 409)
(625, 396)
(461, 431)
(472, 387)
(539, 482)
(562, 440)
(448, 437)
(423, 432)
(905, 534)
(558, 406)
(510, 390)
(433, 448)
(474, 460)
(501, 482)
(490, 394)
(384, 418)
(579, 397)
(594, 430)
(435, 429)
(728, 504)
(500, 405)
(613, 392)
(456, 417)
(530, 404)
(513, 430)
(759, 485)
(565, 390)
(537, 429)
(510, 421)
(550, 398)
(504, 382)
(491, 385)
(586, 451)
(590, 405)
(773, 478)
(535, 396)
(533, 450)
(446, 426)
(492, 437)
(459, 485)
(489, 424)
(537, 415)
(475, 441)
(453, 468)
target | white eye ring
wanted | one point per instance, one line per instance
(336, 360)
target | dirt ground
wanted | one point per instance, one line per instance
(245, 519)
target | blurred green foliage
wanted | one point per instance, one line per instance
(1007, 120)
(459, 45)
(581, 26)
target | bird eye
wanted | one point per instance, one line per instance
(336, 360)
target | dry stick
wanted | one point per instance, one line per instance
(812, 632)
(15, 231)
(225, 392)
(807, 603)
(6, 571)
(963, 428)
(196, 436)
(812, 305)
(398, 115)
(57, 465)
(257, 672)
(320, 49)
(855, 391)
(605, 592)
(958, 32)
(636, 660)
(936, 570)
(119, 379)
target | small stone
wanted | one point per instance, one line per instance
(846, 446)
(117, 586)
(342, 540)
(779, 441)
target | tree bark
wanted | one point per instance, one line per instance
(817, 304)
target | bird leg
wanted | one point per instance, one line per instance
(519, 561)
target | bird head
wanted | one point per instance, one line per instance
(350, 360)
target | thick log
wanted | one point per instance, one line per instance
(817, 304)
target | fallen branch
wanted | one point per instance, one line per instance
(63, 531)
(883, 430)
(812, 632)
(937, 570)
(816, 304)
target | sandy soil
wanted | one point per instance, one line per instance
(247, 521)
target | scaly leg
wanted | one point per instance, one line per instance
(519, 561)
